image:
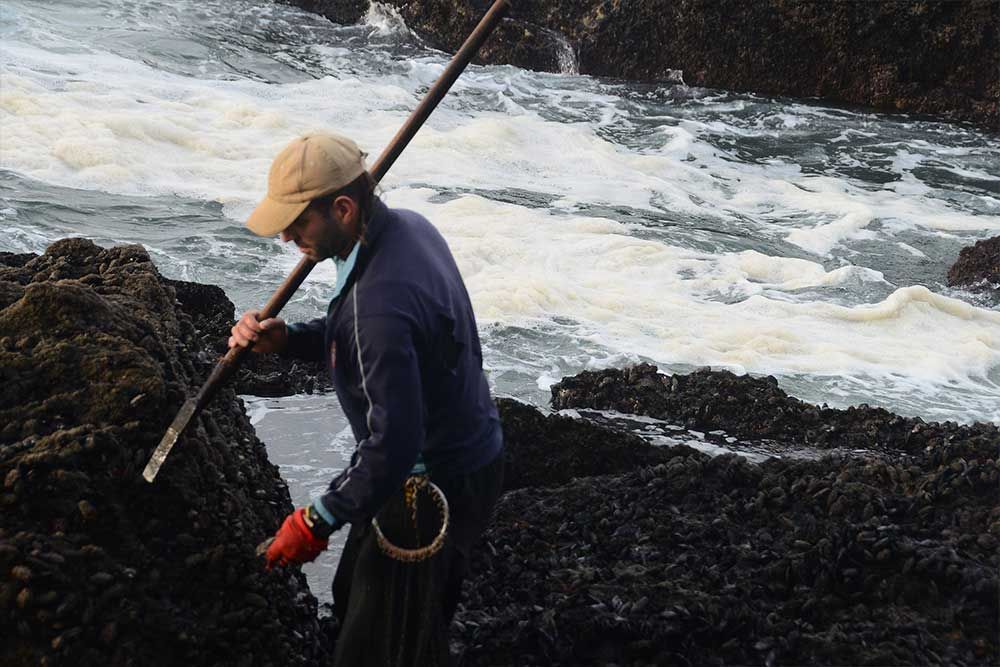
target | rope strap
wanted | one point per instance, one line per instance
(414, 485)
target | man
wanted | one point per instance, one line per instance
(401, 344)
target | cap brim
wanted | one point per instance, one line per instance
(271, 217)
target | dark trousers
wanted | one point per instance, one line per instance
(397, 614)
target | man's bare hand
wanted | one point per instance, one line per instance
(271, 335)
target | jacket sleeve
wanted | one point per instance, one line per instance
(395, 418)
(306, 340)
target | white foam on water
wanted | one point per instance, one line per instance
(97, 121)
(632, 295)
(850, 210)
(386, 20)
(910, 249)
(111, 124)
(23, 239)
(751, 272)
(120, 126)
(848, 133)
(791, 201)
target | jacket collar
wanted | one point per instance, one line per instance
(363, 251)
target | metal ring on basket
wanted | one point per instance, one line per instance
(420, 553)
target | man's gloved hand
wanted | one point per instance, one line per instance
(294, 542)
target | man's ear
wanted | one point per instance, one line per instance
(346, 209)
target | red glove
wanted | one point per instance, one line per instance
(294, 543)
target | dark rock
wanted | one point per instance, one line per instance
(549, 450)
(344, 12)
(978, 267)
(755, 408)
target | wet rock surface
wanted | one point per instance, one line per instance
(100, 567)
(939, 58)
(749, 407)
(978, 267)
(701, 560)
(545, 450)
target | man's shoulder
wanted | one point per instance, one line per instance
(410, 218)
(414, 237)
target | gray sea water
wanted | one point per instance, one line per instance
(597, 223)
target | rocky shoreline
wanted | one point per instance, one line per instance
(605, 550)
(699, 560)
(924, 57)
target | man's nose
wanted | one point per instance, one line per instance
(285, 236)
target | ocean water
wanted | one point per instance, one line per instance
(597, 223)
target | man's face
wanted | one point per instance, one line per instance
(321, 234)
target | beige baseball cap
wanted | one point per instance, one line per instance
(311, 166)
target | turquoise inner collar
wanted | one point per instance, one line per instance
(344, 268)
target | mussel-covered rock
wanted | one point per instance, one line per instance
(101, 567)
(750, 407)
(605, 549)
(887, 558)
(548, 450)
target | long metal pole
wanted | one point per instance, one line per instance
(230, 362)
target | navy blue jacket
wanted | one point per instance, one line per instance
(422, 391)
